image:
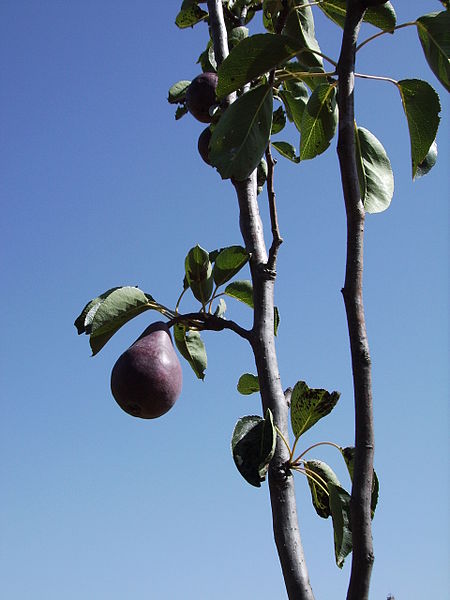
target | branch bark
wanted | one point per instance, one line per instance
(262, 340)
(362, 557)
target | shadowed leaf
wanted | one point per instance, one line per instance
(253, 446)
(287, 150)
(192, 348)
(242, 291)
(382, 16)
(340, 513)
(319, 121)
(320, 475)
(228, 262)
(434, 35)
(248, 384)
(349, 456)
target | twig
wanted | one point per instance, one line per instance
(277, 240)
(206, 321)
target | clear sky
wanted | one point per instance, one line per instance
(100, 187)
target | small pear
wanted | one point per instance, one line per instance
(147, 378)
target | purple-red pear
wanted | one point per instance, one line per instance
(201, 96)
(147, 378)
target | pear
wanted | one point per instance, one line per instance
(147, 378)
(201, 96)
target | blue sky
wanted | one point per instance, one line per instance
(101, 187)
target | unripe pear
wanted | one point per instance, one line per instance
(201, 96)
(147, 378)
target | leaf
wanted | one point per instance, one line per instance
(376, 180)
(241, 136)
(84, 320)
(287, 150)
(320, 475)
(119, 307)
(271, 9)
(309, 405)
(190, 14)
(192, 348)
(295, 107)
(340, 513)
(253, 57)
(180, 112)
(421, 106)
(177, 92)
(383, 16)
(236, 35)
(253, 446)
(434, 35)
(349, 456)
(242, 291)
(228, 262)
(319, 121)
(248, 384)
(278, 121)
(300, 26)
(428, 162)
(198, 270)
(221, 308)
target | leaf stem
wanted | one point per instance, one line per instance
(380, 33)
(300, 456)
(314, 476)
(376, 78)
(286, 443)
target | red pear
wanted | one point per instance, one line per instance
(147, 378)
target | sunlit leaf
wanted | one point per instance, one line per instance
(198, 269)
(309, 405)
(349, 456)
(376, 180)
(190, 14)
(382, 16)
(300, 26)
(319, 121)
(340, 513)
(84, 320)
(192, 348)
(434, 35)
(421, 106)
(248, 384)
(320, 475)
(242, 291)
(119, 307)
(295, 107)
(287, 150)
(278, 120)
(241, 136)
(228, 262)
(253, 57)
(177, 92)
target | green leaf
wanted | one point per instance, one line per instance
(428, 162)
(309, 405)
(376, 180)
(300, 26)
(287, 150)
(421, 106)
(383, 16)
(319, 121)
(248, 384)
(253, 57)
(228, 262)
(340, 513)
(190, 14)
(271, 9)
(192, 348)
(261, 172)
(236, 35)
(180, 112)
(198, 270)
(278, 120)
(253, 446)
(349, 456)
(241, 136)
(295, 107)
(119, 307)
(434, 35)
(320, 476)
(242, 291)
(84, 320)
(177, 92)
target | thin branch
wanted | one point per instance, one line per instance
(362, 557)
(206, 321)
(277, 240)
(281, 484)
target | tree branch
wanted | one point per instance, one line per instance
(205, 321)
(281, 484)
(362, 558)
